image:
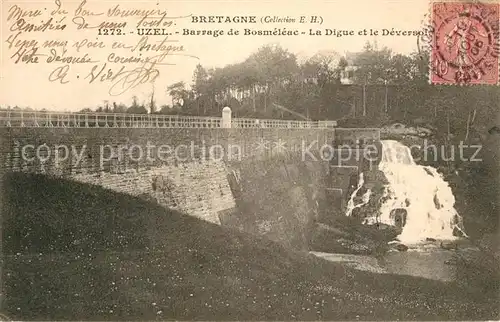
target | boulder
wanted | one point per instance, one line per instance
(382, 226)
(429, 239)
(399, 246)
(448, 245)
(398, 217)
(458, 232)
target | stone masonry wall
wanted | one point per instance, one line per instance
(171, 166)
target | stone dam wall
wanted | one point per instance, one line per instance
(266, 181)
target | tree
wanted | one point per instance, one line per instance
(165, 109)
(179, 93)
(391, 87)
(326, 67)
(200, 80)
(136, 108)
(373, 66)
(203, 99)
(119, 108)
(135, 102)
(152, 103)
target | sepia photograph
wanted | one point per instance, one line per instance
(267, 160)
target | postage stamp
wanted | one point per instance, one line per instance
(210, 160)
(465, 42)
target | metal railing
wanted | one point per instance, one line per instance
(95, 120)
(291, 124)
(18, 118)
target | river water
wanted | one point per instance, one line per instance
(427, 261)
(429, 264)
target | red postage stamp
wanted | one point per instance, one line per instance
(465, 43)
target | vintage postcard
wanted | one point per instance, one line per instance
(249, 160)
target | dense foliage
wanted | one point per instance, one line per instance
(275, 83)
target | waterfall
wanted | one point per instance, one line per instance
(420, 191)
(364, 199)
(350, 203)
(416, 198)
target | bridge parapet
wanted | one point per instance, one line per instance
(21, 118)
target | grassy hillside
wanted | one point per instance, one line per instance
(74, 251)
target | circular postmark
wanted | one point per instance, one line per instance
(462, 40)
(424, 39)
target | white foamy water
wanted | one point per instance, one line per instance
(364, 199)
(421, 191)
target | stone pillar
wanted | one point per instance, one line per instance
(226, 117)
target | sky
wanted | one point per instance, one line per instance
(28, 84)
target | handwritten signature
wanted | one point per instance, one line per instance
(123, 80)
